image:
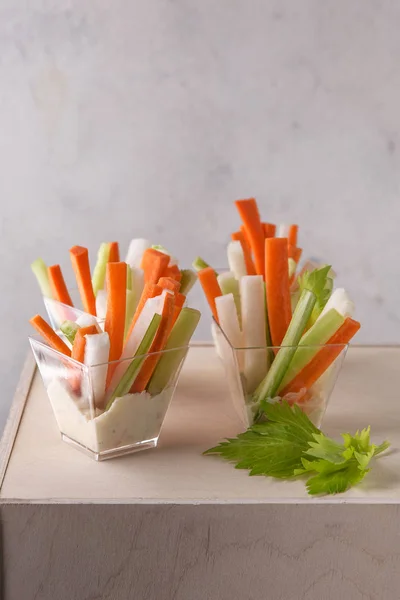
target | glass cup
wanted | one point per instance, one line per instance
(106, 424)
(310, 388)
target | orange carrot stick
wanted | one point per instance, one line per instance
(168, 283)
(78, 348)
(245, 235)
(323, 359)
(157, 346)
(80, 264)
(49, 335)
(238, 236)
(150, 290)
(249, 214)
(180, 300)
(114, 252)
(211, 289)
(292, 235)
(58, 286)
(294, 253)
(278, 291)
(116, 307)
(174, 272)
(154, 265)
(269, 230)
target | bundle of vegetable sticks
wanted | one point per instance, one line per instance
(142, 301)
(292, 321)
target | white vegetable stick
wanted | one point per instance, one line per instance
(97, 351)
(228, 319)
(254, 329)
(137, 284)
(236, 259)
(340, 301)
(135, 252)
(283, 230)
(101, 304)
(87, 320)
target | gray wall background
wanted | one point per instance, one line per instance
(132, 118)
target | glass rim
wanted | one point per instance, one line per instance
(266, 347)
(64, 357)
(68, 306)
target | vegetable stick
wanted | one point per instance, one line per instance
(228, 319)
(150, 290)
(101, 304)
(209, 283)
(238, 236)
(97, 351)
(199, 263)
(114, 252)
(248, 212)
(157, 346)
(80, 263)
(180, 300)
(254, 329)
(283, 231)
(58, 286)
(137, 247)
(134, 367)
(128, 277)
(310, 343)
(236, 259)
(323, 359)
(137, 284)
(129, 311)
(39, 269)
(174, 272)
(340, 301)
(245, 236)
(49, 335)
(188, 280)
(167, 283)
(294, 253)
(116, 308)
(78, 348)
(99, 272)
(270, 384)
(86, 320)
(269, 230)
(277, 287)
(154, 265)
(69, 329)
(175, 350)
(230, 285)
(292, 235)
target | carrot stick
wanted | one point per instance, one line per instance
(158, 345)
(80, 264)
(292, 235)
(174, 272)
(168, 283)
(269, 230)
(323, 359)
(58, 286)
(210, 285)
(114, 252)
(278, 291)
(49, 335)
(180, 300)
(150, 290)
(294, 253)
(116, 307)
(248, 212)
(78, 348)
(245, 235)
(239, 236)
(154, 265)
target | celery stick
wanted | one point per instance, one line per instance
(137, 284)
(317, 335)
(230, 285)
(132, 371)
(99, 273)
(199, 264)
(188, 280)
(270, 384)
(128, 277)
(130, 310)
(69, 329)
(179, 338)
(40, 271)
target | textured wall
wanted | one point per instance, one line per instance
(149, 117)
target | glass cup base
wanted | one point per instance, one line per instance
(115, 452)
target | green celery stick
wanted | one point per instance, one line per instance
(317, 335)
(161, 249)
(188, 280)
(132, 371)
(292, 267)
(179, 338)
(128, 277)
(39, 269)
(69, 329)
(130, 309)
(268, 339)
(99, 273)
(270, 384)
(230, 285)
(198, 264)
